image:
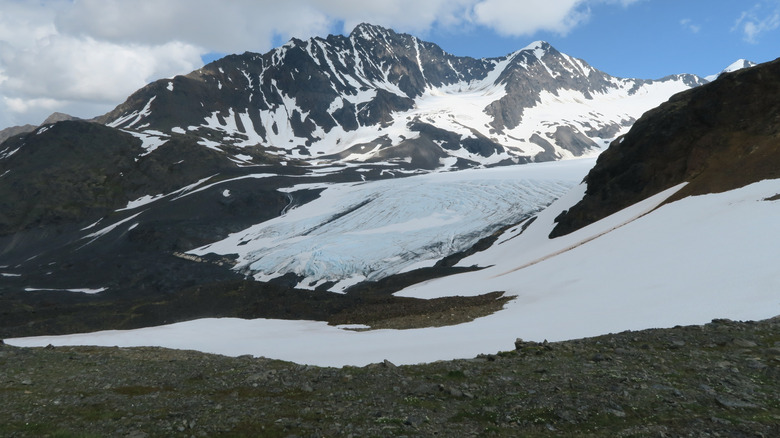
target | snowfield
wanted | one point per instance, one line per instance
(704, 257)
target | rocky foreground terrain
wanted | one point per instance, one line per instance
(720, 379)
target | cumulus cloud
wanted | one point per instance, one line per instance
(224, 26)
(43, 69)
(762, 18)
(68, 68)
(84, 57)
(507, 16)
(526, 17)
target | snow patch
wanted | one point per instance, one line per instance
(147, 110)
(150, 140)
(143, 200)
(108, 229)
(83, 290)
(191, 188)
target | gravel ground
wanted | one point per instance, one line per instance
(720, 379)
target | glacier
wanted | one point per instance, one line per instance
(373, 229)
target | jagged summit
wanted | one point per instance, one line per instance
(369, 31)
(738, 65)
(734, 66)
(538, 47)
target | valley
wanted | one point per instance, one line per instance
(400, 203)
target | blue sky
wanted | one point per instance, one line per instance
(647, 39)
(84, 57)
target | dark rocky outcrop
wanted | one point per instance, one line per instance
(718, 137)
(78, 170)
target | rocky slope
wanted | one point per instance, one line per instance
(717, 137)
(720, 379)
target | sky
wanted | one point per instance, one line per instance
(84, 57)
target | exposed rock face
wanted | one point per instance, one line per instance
(315, 74)
(717, 137)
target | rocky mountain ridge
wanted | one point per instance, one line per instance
(377, 95)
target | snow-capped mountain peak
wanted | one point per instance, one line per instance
(366, 97)
(734, 66)
(738, 65)
(539, 48)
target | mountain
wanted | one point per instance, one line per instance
(377, 95)
(714, 138)
(674, 225)
(187, 162)
(233, 189)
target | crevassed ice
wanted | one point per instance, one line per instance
(376, 229)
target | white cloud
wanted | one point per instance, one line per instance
(84, 57)
(403, 15)
(43, 69)
(512, 17)
(763, 17)
(65, 67)
(526, 17)
(222, 26)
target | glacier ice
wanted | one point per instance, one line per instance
(379, 228)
